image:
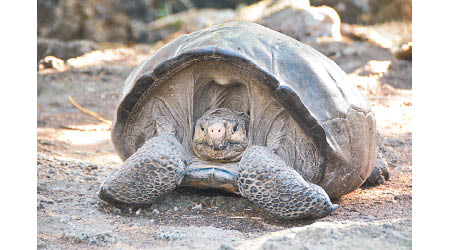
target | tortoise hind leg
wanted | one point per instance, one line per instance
(379, 175)
(157, 167)
(265, 179)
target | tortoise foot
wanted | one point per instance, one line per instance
(266, 180)
(157, 167)
(379, 175)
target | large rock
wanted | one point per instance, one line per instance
(369, 11)
(264, 8)
(384, 234)
(97, 20)
(394, 35)
(63, 50)
(134, 21)
(183, 22)
(115, 28)
(295, 19)
(391, 10)
(62, 19)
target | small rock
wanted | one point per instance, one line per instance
(41, 243)
(115, 210)
(402, 197)
(370, 217)
(175, 209)
(155, 212)
(197, 207)
(138, 212)
(225, 247)
(92, 166)
(152, 221)
(167, 235)
(88, 236)
(81, 153)
(45, 199)
(43, 141)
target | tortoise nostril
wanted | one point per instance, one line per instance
(216, 130)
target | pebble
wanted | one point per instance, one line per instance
(370, 217)
(115, 210)
(81, 153)
(138, 212)
(45, 199)
(350, 51)
(92, 166)
(226, 247)
(152, 221)
(155, 211)
(197, 207)
(175, 209)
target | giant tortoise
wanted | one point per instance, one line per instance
(246, 109)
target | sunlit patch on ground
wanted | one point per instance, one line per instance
(87, 135)
(98, 57)
(90, 141)
(125, 55)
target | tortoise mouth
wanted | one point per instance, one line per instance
(229, 151)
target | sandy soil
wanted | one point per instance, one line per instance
(75, 154)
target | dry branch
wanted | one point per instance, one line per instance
(91, 113)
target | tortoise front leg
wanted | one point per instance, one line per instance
(157, 167)
(266, 180)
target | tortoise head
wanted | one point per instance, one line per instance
(221, 135)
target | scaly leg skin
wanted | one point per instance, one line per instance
(157, 167)
(266, 180)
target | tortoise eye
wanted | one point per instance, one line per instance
(234, 129)
(202, 128)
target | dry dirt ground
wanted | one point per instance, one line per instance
(75, 154)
